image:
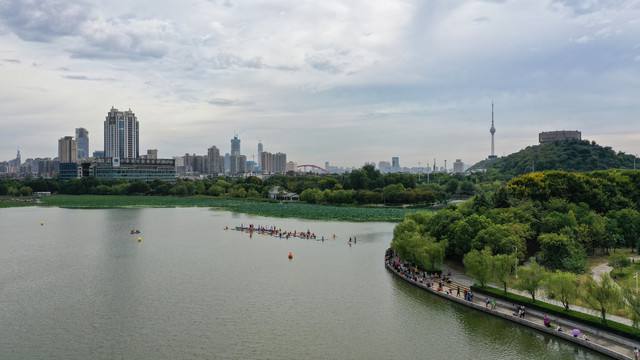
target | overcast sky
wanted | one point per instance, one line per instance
(340, 81)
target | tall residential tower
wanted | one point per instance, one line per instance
(121, 134)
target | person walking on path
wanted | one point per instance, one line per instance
(636, 353)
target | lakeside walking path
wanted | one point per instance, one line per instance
(612, 345)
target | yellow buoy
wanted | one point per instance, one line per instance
(139, 239)
(41, 223)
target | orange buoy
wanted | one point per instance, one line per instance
(290, 255)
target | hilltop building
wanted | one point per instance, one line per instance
(550, 136)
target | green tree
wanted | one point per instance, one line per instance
(501, 198)
(467, 188)
(479, 265)
(555, 221)
(555, 248)
(530, 278)
(619, 262)
(633, 301)
(602, 296)
(464, 231)
(433, 253)
(562, 286)
(25, 191)
(394, 193)
(502, 239)
(503, 266)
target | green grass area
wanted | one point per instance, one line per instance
(252, 207)
(587, 319)
(626, 278)
(595, 260)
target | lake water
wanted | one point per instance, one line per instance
(82, 287)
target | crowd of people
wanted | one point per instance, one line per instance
(431, 280)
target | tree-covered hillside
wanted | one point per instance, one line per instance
(557, 217)
(568, 155)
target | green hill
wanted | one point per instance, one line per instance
(568, 155)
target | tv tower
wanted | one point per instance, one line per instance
(492, 130)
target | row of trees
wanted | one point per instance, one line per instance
(602, 295)
(365, 186)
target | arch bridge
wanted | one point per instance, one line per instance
(313, 166)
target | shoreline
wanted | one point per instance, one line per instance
(605, 343)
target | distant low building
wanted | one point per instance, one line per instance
(278, 193)
(121, 168)
(550, 136)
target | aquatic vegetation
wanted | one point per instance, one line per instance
(260, 208)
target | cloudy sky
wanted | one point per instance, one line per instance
(321, 80)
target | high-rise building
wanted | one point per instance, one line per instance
(384, 166)
(67, 150)
(215, 167)
(121, 134)
(395, 164)
(458, 166)
(82, 137)
(15, 163)
(235, 145)
(260, 150)
(266, 159)
(492, 130)
(237, 164)
(279, 163)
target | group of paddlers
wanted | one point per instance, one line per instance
(277, 232)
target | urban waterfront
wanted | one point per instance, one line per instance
(81, 286)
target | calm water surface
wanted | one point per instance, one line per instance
(82, 287)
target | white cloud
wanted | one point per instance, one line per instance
(326, 80)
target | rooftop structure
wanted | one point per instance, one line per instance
(549, 136)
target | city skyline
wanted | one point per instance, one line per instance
(346, 83)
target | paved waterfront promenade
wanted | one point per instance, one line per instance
(604, 342)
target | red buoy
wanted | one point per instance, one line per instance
(290, 255)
